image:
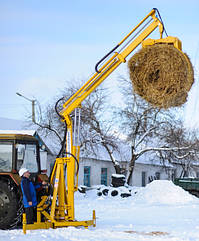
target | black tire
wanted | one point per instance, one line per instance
(123, 195)
(99, 194)
(105, 192)
(9, 206)
(114, 193)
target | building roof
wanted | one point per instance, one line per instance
(29, 133)
(22, 132)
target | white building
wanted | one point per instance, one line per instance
(98, 170)
(94, 172)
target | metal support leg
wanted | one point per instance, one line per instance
(24, 223)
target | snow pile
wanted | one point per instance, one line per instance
(164, 192)
(124, 219)
(118, 175)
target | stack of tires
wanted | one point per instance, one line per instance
(113, 192)
(117, 188)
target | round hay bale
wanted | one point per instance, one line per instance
(162, 75)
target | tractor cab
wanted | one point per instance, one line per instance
(18, 149)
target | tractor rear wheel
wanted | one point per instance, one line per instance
(9, 205)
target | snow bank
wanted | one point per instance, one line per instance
(122, 219)
(164, 192)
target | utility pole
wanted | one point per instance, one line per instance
(33, 106)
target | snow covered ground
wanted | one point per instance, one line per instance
(160, 211)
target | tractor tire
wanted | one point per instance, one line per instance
(10, 205)
(105, 192)
(114, 193)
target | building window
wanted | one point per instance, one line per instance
(87, 173)
(157, 176)
(104, 176)
(6, 150)
(143, 179)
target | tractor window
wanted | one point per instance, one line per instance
(6, 157)
(27, 157)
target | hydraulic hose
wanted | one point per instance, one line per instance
(160, 18)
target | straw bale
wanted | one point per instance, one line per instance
(162, 75)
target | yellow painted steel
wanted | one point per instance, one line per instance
(111, 64)
(62, 204)
(24, 223)
(77, 152)
(62, 212)
(169, 40)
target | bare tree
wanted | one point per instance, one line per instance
(177, 135)
(99, 127)
(96, 126)
(148, 129)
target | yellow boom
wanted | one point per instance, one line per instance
(61, 208)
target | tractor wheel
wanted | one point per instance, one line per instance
(9, 206)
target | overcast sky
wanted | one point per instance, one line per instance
(46, 44)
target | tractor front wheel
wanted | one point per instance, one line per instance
(9, 205)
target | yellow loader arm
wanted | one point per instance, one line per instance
(113, 62)
(62, 207)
